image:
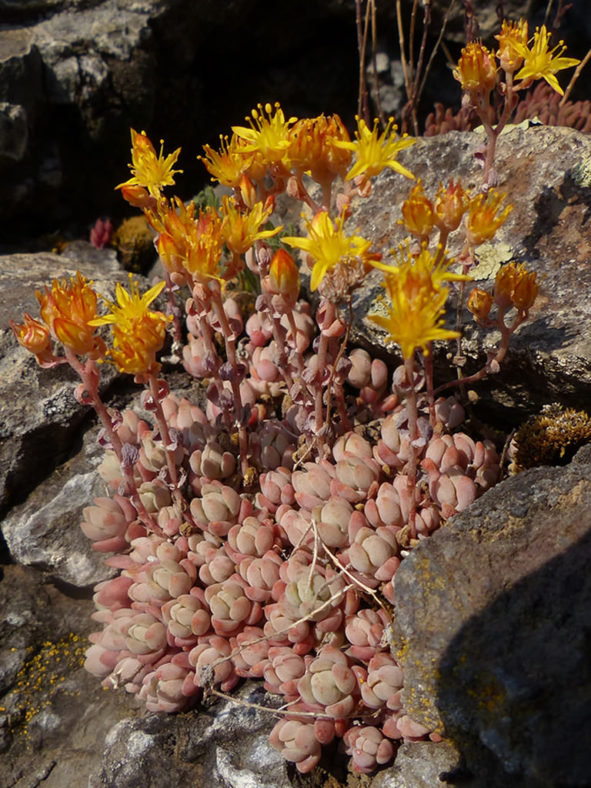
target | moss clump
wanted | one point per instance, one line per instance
(552, 437)
(134, 241)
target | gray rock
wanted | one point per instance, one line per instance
(419, 765)
(225, 746)
(491, 620)
(13, 131)
(45, 532)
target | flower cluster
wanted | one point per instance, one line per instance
(513, 67)
(259, 536)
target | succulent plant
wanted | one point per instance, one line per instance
(259, 536)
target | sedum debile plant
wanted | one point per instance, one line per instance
(259, 536)
(488, 75)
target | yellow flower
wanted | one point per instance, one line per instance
(68, 310)
(476, 70)
(313, 147)
(232, 161)
(512, 41)
(374, 151)
(417, 303)
(174, 222)
(482, 220)
(328, 245)
(138, 332)
(151, 171)
(417, 211)
(241, 229)
(268, 133)
(423, 263)
(130, 306)
(539, 63)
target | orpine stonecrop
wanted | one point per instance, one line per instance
(260, 537)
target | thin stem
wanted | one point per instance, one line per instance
(177, 335)
(319, 393)
(493, 364)
(339, 391)
(438, 43)
(413, 430)
(405, 67)
(362, 108)
(163, 429)
(169, 451)
(428, 365)
(374, 48)
(279, 335)
(88, 374)
(230, 343)
(304, 195)
(419, 68)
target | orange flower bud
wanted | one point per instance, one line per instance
(138, 197)
(504, 285)
(312, 147)
(284, 277)
(515, 285)
(418, 213)
(525, 290)
(512, 42)
(170, 253)
(450, 205)
(247, 191)
(33, 335)
(68, 309)
(78, 337)
(480, 303)
(476, 70)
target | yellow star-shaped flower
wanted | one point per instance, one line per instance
(150, 170)
(328, 245)
(374, 151)
(540, 63)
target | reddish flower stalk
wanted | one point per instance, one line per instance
(158, 393)
(89, 375)
(413, 434)
(230, 344)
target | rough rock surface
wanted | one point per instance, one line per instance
(504, 593)
(76, 74)
(44, 531)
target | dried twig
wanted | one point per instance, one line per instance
(574, 78)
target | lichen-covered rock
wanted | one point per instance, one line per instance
(546, 172)
(505, 596)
